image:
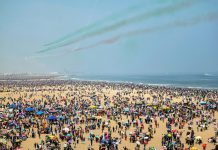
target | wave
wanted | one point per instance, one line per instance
(209, 75)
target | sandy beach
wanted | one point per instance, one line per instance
(98, 115)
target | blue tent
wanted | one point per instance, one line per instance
(40, 112)
(29, 109)
(52, 118)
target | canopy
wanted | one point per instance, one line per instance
(29, 109)
(203, 103)
(52, 111)
(12, 106)
(52, 137)
(126, 109)
(93, 107)
(66, 129)
(52, 118)
(40, 112)
(3, 141)
(198, 137)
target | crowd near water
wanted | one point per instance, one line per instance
(65, 114)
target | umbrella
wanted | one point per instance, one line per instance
(198, 137)
(29, 109)
(52, 111)
(40, 112)
(93, 107)
(60, 117)
(52, 118)
(3, 141)
(193, 148)
(203, 103)
(66, 129)
(126, 109)
(12, 106)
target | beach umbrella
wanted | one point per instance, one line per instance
(194, 148)
(3, 141)
(101, 107)
(52, 111)
(29, 109)
(66, 129)
(60, 117)
(203, 103)
(169, 135)
(93, 107)
(10, 110)
(126, 109)
(40, 112)
(198, 137)
(51, 118)
(12, 106)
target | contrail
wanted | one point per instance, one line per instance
(176, 24)
(162, 11)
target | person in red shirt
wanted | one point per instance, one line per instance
(204, 145)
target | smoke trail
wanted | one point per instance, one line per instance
(96, 24)
(176, 24)
(163, 11)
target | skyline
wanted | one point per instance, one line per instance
(143, 37)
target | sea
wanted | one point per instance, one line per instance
(199, 81)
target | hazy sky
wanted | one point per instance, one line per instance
(117, 36)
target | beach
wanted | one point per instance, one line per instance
(67, 114)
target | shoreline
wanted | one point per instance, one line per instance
(127, 83)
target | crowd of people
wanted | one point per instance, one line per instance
(67, 114)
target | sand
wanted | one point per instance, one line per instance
(109, 92)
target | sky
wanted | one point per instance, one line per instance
(109, 36)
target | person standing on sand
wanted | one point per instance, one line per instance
(204, 145)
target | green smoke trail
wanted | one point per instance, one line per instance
(101, 22)
(162, 11)
(96, 24)
(175, 24)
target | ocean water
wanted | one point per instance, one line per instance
(202, 81)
